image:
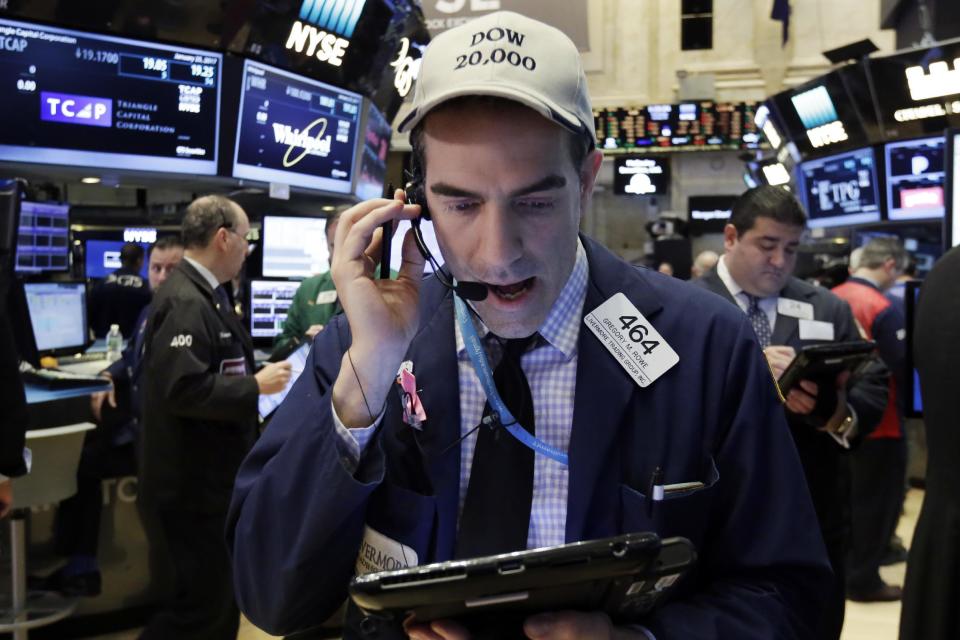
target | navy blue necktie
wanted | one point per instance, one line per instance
(759, 320)
(496, 510)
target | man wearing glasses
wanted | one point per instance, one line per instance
(200, 418)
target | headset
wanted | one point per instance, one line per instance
(474, 291)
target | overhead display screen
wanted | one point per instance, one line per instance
(819, 117)
(641, 176)
(664, 127)
(709, 214)
(952, 228)
(75, 98)
(918, 90)
(915, 175)
(295, 131)
(841, 189)
(373, 162)
(42, 237)
(269, 302)
(294, 247)
(102, 257)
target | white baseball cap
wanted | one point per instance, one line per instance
(507, 55)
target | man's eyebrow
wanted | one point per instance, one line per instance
(777, 239)
(547, 183)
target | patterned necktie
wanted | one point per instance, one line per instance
(759, 320)
(496, 511)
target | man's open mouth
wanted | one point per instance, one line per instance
(511, 291)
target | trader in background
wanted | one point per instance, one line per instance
(314, 303)
(878, 467)
(755, 273)
(109, 451)
(200, 418)
(121, 297)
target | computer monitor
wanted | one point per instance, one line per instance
(294, 247)
(269, 301)
(42, 242)
(58, 315)
(840, 190)
(951, 227)
(83, 99)
(914, 402)
(915, 175)
(373, 155)
(295, 130)
(102, 257)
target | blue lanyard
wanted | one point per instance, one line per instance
(480, 365)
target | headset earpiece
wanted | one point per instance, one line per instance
(416, 195)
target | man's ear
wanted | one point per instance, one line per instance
(729, 236)
(589, 170)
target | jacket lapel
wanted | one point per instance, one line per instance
(713, 282)
(600, 375)
(434, 350)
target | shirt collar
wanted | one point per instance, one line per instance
(735, 289)
(203, 271)
(867, 280)
(561, 328)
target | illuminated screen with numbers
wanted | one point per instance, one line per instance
(295, 131)
(83, 99)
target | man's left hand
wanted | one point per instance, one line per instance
(559, 625)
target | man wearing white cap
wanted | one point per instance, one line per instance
(348, 479)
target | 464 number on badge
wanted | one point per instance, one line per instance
(638, 333)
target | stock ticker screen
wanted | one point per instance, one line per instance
(42, 237)
(841, 189)
(295, 131)
(77, 98)
(269, 302)
(690, 124)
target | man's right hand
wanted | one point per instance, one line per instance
(313, 330)
(273, 377)
(779, 357)
(383, 314)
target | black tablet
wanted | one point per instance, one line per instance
(624, 576)
(826, 360)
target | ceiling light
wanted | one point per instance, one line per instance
(90, 180)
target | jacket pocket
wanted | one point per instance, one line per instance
(680, 513)
(404, 520)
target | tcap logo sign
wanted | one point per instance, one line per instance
(321, 23)
(65, 107)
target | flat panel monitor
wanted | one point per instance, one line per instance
(641, 176)
(915, 175)
(102, 257)
(373, 159)
(42, 238)
(429, 238)
(269, 301)
(294, 247)
(951, 230)
(840, 190)
(917, 90)
(295, 131)
(819, 116)
(83, 99)
(709, 214)
(58, 315)
(914, 402)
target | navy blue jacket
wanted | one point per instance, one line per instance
(297, 516)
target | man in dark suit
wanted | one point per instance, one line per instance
(931, 590)
(199, 418)
(755, 273)
(14, 420)
(505, 163)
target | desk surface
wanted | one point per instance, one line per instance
(37, 394)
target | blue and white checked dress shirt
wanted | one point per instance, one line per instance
(551, 370)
